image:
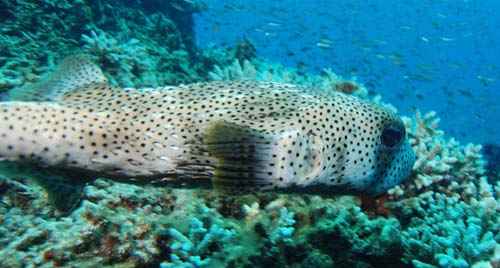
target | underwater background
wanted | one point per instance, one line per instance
(431, 55)
(435, 61)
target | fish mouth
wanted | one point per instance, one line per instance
(396, 171)
(408, 158)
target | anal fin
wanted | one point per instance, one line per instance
(63, 192)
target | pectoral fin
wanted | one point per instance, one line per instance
(244, 157)
(249, 160)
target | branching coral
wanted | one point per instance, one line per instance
(192, 250)
(362, 234)
(449, 210)
(281, 227)
(126, 59)
(325, 232)
(452, 234)
(116, 222)
(442, 165)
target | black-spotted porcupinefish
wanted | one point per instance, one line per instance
(242, 137)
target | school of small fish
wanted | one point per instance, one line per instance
(431, 55)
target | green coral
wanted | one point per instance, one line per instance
(192, 250)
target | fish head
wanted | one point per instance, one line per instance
(393, 157)
(323, 144)
(370, 151)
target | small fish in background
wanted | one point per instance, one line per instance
(487, 80)
(346, 87)
(216, 27)
(273, 23)
(240, 137)
(324, 43)
(465, 93)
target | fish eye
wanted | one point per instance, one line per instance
(392, 135)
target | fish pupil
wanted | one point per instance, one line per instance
(391, 135)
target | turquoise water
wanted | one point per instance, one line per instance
(431, 55)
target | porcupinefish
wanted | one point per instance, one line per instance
(240, 137)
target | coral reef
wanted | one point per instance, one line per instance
(137, 43)
(448, 210)
(187, 251)
(128, 58)
(152, 226)
(261, 70)
(445, 215)
(447, 233)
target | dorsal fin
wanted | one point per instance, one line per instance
(73, 72)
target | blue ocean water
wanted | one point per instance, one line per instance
(430, 55)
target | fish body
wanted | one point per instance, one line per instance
(242, 137)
